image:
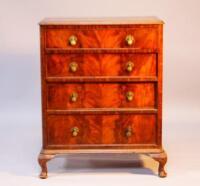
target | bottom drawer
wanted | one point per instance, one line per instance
(69, 131)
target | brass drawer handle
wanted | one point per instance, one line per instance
(74, 97)
(129, 40)
(73, 66)
(129, 96)
(73, 40)
(128, 132)
(75, 131)
(129, 66)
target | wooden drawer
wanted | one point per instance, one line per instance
(70, 130)
(101, 95)
(63, 65)
(141, 37)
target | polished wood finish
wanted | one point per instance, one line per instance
(100, 129)
(76, 22)
(107, 95)
(102, 88)
(162, 160)
(58, 65)
(42, 160)
(144, 36)
(104, 111)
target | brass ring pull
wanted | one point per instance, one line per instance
(129, 66)
(73, 40)
(129, 96)
(75, 131)
(74, 97)
(73, 66)
(128, 132)
(129, 40)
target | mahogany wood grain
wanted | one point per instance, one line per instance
(100, 51)
(107, 95)
(102, 79)
(160, 83)
(145, 37)
(58, 65)
(101, 129)
(105, 111)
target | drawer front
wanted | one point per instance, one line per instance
(63, 65)
(66, 130)
(134, 37)
(101, 95)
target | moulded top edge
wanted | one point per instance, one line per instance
(101, 21)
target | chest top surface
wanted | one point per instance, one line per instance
(101, 21)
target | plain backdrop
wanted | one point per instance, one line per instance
(20, 112)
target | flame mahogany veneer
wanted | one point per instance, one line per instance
(102, 87)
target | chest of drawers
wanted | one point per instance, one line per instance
(101, 87)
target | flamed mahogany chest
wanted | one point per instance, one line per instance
(102, 87)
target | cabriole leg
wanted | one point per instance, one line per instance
(43, 159)
(161, 158)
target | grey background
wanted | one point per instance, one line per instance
(20, 112)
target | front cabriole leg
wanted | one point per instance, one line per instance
(43, 159)
(161, 158)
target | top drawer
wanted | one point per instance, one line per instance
(141, 37)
